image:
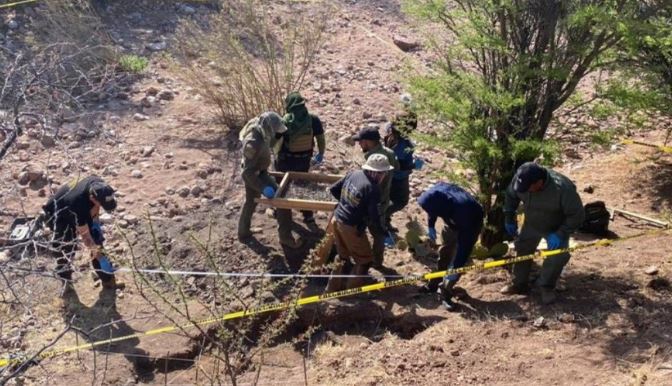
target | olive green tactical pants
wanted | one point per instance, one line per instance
(552, 267)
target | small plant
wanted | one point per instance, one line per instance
(601, 138)
(133, 63)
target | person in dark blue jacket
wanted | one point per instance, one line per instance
(358, 195)
(462, 216)
(396, 138)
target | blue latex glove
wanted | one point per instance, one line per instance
(553, 241)
(389, 240)
(418, 163)
(511, 229)
(268, 192)
(318, 159)
(431, 233)
(97, 233)
(105, 265)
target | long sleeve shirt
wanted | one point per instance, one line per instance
(556, 208)
(358, 201)
(455, 206)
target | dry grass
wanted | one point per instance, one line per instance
(247, 57)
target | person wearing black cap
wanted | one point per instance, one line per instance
(553, 210)
(369, 141)
(73, 211)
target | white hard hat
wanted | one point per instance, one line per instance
(377, 163)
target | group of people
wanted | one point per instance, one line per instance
(368, 197)
(367, 200)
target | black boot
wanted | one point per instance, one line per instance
(447, 296)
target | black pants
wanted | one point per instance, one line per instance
(290, 163)
(64, 246)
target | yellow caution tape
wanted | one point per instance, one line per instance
(664, 149)
(14, 4)
(17, 359)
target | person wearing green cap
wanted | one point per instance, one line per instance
(297, 144)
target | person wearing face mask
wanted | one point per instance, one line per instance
(358, 195)
(553, 210)
(295, 149)
(258, 137)
(72, 213)
(370, 142)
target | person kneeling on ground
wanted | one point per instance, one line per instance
(358, 195)
(553, 210)
(73, 211)
(258, 137)
(462, 219)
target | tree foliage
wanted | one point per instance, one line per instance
(504, 67)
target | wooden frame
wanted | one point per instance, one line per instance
(298, 204)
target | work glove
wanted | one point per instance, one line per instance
(105, 265)
(418, 163)
(318, 159)
(511, 229)
(553, 241)
(389, 240)
(431, 233)
(268, 192)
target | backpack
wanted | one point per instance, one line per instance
(597, 218)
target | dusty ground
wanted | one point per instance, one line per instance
(611, 326)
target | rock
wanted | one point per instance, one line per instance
(366, 115)
(652, 270)
(346, 139)
(170, 191)
(13, 24)
(136, 173)
(356, 101)
(202, 173)
(539, 322)
(567, 318)
(196, 191)
(589, 189)
(166, 95)
(148, 101)
(659, 284)
(21, 145)
(147, 151)
(140, 117)
(48, 141)
(187, 10)
(131, 219)
(151, 91)
(105, 218)
(169, 155)
(183, 191)
(157, 46)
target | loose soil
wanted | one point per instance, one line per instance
(612, 324)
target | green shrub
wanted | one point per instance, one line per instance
(133, 63)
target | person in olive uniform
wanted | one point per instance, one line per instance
(71, 213)
(296, 149)
(369, 141)
(553, 210)
(257, 137)
(358, 195)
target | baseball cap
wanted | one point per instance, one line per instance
(104, 195)
(370, 133)
(527, 174)
(377, 163)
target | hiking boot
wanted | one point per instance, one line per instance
(112, 284)
(448, 303)
(513, 289)
(548, 296)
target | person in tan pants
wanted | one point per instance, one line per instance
(358, 195)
